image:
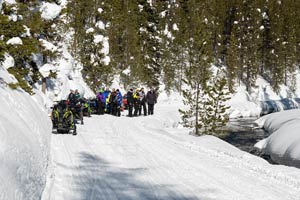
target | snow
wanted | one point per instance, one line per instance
(15, 41)
(98, 39)
(68, 73)
(100, 25)
(106, 60)
(152, 158)
(100, 10)
(46, 68)
(48, 45)
(241, 105)
(90, 30)
(105, 49)
(50, 10)
(8, 61)
(10, 2)
(126, 71)
(25, 132)
(175, 27)
(13, 17)
(27, 32)
(262, 97)
(283, 145)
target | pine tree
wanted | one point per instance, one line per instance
(199, 50)
(216, 110)
(87, 46)
(25, 70)
(149, 42)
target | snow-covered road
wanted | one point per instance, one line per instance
(147, 158)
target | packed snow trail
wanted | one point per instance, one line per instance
(146, 158)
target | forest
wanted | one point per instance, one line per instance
(162, 41)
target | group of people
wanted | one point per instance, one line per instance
(111, 102)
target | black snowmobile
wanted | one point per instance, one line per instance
(63, 118)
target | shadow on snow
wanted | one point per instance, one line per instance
(97, 179)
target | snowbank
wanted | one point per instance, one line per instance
(24, 142)
(241, 105)
(262, 100)
(283, 145)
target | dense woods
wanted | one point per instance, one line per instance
(161, 41)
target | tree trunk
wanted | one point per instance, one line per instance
(44, 85)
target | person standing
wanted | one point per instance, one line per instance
(151, 100)
(119, 101)
(130, 102)
(136, 102)
(100, 102)
(143, 102)
(106, 95)
(71, 98)
(113, 102)
(79, 105)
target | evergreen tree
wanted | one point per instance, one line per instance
(22, 20)
(149, 42)
(214, 104)
(199, 50)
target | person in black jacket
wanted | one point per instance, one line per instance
(151, 100)
(113, 102)
(130, 102)
(72, 98)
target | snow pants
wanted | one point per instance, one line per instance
(143, 106)
(150, 109)
(130, 109)
(136, 108)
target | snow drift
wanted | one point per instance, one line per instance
(25, 132)
(283, 145)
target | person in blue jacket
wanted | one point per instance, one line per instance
(119, 99)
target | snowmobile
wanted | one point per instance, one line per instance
(63, 118)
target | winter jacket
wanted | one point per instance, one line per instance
(142, 96)
(119, 98)
(113, 98)
(106, 94)
(151, 97)
(130, 97)
(100, 97)
(136, 98)
(72, 99)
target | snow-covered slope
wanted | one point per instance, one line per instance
(283, 145)
(25, 132)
